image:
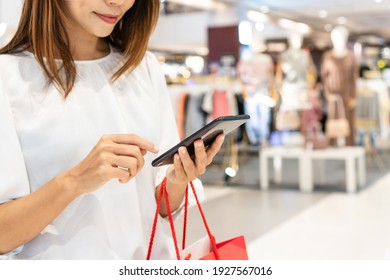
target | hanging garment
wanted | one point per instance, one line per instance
(256, 73)
(240, 111)
(258, 126)
(314, 114)
(181, 114)
(378, 86)
(221, 104)
(195, 117)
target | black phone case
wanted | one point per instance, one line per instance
(208, 133)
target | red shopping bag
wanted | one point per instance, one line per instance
(205, 248)
(232, 249)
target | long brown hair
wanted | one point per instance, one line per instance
(42, 30)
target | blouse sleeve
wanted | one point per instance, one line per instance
(169, 134)
(13, 175)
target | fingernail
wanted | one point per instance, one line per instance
(221, 138)
(200, 144)
(182, 150)
(156, 149)
(177, 157)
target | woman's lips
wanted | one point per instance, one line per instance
(111, 19)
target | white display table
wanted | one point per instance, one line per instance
(305, 157)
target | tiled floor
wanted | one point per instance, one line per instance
(340, 226)
(283, 223)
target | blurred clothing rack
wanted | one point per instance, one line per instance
(370, 124)
(200, 101)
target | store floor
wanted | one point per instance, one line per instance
(284, 223)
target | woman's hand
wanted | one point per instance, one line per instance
(119, 156)
(184, 169)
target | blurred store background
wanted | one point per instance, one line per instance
(294, 180)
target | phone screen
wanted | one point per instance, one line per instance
(208, 134)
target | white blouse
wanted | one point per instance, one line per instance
(43, 135)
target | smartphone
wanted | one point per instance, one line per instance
(208, 134)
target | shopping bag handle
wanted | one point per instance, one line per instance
(163, 193)
(211, 237)
(151, 240)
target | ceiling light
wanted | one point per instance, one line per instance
(328, 27)
(259, 26)
(378, 1)
(245, 32)
(303, 28)
(256, 16)
(323, 14)
(264, 9)
(292, 25)
(341, 20)
(286, 23)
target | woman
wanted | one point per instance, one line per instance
(83, 108)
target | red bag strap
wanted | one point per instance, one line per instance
(211, 237)
(151, 240)
(183, 241)
(163, 193)
(171, 223)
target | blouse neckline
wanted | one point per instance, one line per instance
(81, 62)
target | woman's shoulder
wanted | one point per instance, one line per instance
(14, 62)
(150, 57)
(149, 65)
(150, 60)
(15, 57)
(18, 66)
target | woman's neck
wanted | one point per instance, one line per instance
(89, 49)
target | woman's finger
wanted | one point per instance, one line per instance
(121, 174)
(129, 164)
(215, 147)
(200, 157)
(132, 139)
(136, 159)
(179, 169)
(188, 164)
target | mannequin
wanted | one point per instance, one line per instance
(339, 37)
(293, 71)
(339, 74)
(295, 75)
(256, 75)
